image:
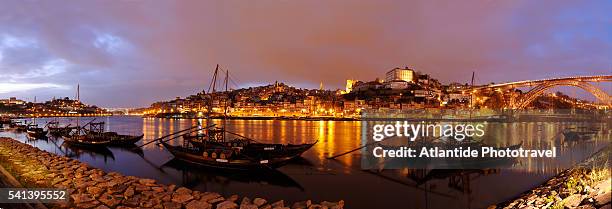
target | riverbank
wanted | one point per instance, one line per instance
(586, 185)
(93, 188)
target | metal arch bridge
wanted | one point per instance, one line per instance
(540, 86)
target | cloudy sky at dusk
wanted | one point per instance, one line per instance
(134, 52)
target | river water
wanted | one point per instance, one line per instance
(316, 178)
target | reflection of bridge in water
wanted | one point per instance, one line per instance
(538, 87)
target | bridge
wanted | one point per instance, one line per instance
(538, 87)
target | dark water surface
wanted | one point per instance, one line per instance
(318, 179)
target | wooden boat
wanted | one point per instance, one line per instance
(570, 135)
(86, 141)
(245, 146)
(224, 158)
(84, 137)
(95, 132)
(58, 131)
(5, 120)
(122, 140)
(18, 126)
(34, 131)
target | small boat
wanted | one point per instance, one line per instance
(18, 126)
(84, 137)
(95, 132)
(122, 140)
(57, 131)
(244, 145)
(224, 158)
(5, 120)
(570, 135)
(34, 131)
(85, 141)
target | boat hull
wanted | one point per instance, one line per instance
(125, 140)
(195, 156)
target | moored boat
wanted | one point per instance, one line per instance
(56, 130)
(18, 126)
(216, 138)
(85, 141)
(34, 131)
(122, 140)
(95, 133)
(224, 158)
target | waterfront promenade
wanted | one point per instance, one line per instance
(93, 188)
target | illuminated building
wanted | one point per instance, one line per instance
(405, 74)
(349, 85)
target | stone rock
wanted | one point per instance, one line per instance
(302, 205)
(129, 192)
(148, 194)
(95, 191)
(109, 200)
(245, 200)
(158, 189)
(278, 204)
(317, 206)
(147, 182)
(181, 197)
(172, 205)
(227, 205)
(259, 201)
(198, 204)
(266, 206)
(573, 201)
(603, 198)
(209, 196)
(183, 190)
(140, 188)
(119, 188)
(150, 203)
(604, 186)
(130, 202)
(171, 188)
(166, 198)
(102, 207)
(233, 198)
(248, 206)
(333, 205)
(216, 200)
(91, 204)
(80, 198)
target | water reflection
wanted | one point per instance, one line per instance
(317, 178)
(192, 176)
(93, 152)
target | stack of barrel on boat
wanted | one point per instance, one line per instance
(218, 148)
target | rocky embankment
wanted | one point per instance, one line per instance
(586, 185)
(93, 188)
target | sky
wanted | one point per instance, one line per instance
(131, 53)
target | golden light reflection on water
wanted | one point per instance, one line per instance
(336, 137)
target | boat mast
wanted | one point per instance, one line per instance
(213, 84)
(225, 102)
